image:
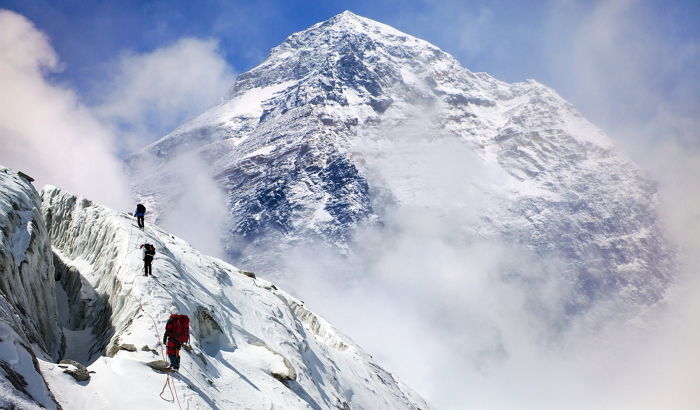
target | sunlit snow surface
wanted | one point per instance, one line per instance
(244, 330)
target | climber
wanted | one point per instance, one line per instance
(177, 332)
(149, 251)
(139, 214)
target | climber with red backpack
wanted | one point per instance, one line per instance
(149, 251)
(177, 332)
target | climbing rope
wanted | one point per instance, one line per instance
(172, 394)
(193, 379)
(175, 390)
(168, 380)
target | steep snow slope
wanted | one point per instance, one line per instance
(28, 321)
(254, 346)
(300, 147)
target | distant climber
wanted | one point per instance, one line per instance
(149, 251)
(140, 214)
(177, 332)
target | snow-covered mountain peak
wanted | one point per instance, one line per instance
(348, 45)
(310, 144)
(345, 24)
(380, 75)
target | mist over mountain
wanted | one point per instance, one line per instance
(350, 120)
(487, 225)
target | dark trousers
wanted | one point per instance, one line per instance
(174, 360)
(139, 220)
(147, 265)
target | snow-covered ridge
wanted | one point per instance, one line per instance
(29, 325)
(254, 346)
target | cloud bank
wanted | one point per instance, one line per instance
(471, 319)
(50, 134)
(199, 211)
(45, 131)
(149, 94)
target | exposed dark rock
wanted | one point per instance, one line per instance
(128, 347)
(159, 365)
(113, 350)
(148, 349)
(80, 373)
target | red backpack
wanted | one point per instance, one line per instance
(179, 328)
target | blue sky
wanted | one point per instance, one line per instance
(631, 66)
(513, 40)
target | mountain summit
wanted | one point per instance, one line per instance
(332, 132)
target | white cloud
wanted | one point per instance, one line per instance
(472, 320)
(150, 94)
(44, 129)
(636, 77)
(426, 292)
(630, 74)
(199, 213)
(47, 132)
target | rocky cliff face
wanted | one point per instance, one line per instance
(295, 145)
(29, 325)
